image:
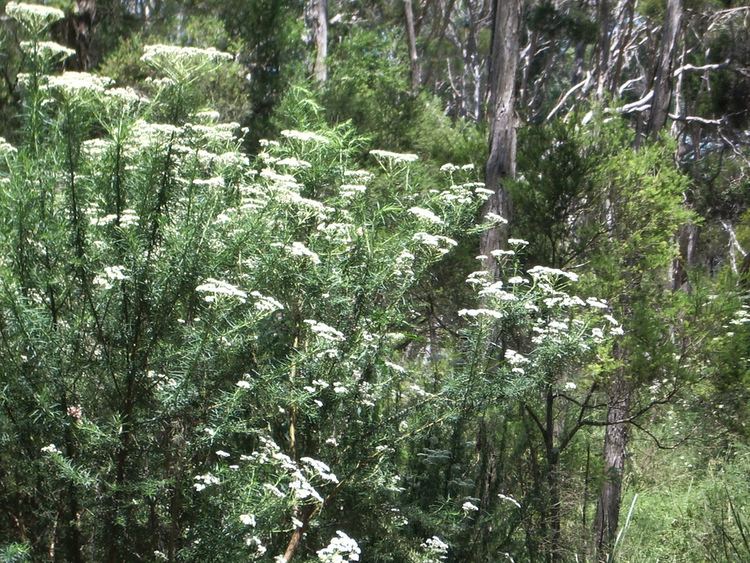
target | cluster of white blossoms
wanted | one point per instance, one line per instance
(426, 215)
(51, 449)
(304, 136)
(495, 219)
(325, 331)
(510, 499)
(35, 17)
(435, 548)
(299, 249)
(206, 480)
(214, 288)
(538, 272)
(266, 304)
(450, 168)
(359, 175)
(110, 274)
(158, 54)
(350, 191)
(394, 157)
(47, 50)
(469, 506)
(73, 83)
(6, 149)
(440, 243)
(341, 549)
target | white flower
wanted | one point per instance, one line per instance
(426, 214)
(480, 313)
(110, 274)
(351, 190)
(509, 499)
(394, 156)
(304, 136)
(495, 218)
(6, 149)
(596, 303)
(222, 453)
(517, 242)
(324, 331)
(46, 49)
(320, 468)
(218, 288)
(242, 384)
(440, 243)
(499, 253)
(341, 549)
(469, 507)
(50, 449)
(72, 83)
(33, 16)
(360, 175)
(515, 280)
(448, 168)
(292, 162)
(570, 386)
(266, 304)
(436, 546)
(158, 55)
(299, 249)
(514, 358)
(395, 367)
(545, 272)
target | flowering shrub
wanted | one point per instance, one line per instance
(212, 346)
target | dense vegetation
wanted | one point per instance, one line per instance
(374, 281)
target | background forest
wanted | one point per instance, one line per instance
(377, 280)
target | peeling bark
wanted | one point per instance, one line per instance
(501, 164)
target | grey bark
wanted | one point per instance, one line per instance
(501, 164)
(662, 81)
(615, 449)
(411, 36)
(319, 12)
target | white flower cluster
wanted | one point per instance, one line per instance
(350, 191)
(299, 484)
(73, 83)
(110, 274)
(266, 304)
(436, 549)
(540, 272)
(426, 215)
(6, 149)
(449, 168)
(509, 499)
(203, 481)
(341, 549)
(48, 50)
(50, 449)
(304, 136)
(394, 157)
(480, 313)
(440, 243)
(325, 331)
(157, 55)
(34, 17)
(217, 288)
(299, 249)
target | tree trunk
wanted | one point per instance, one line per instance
(615, 446)
(411, 36)
(319, 10)
(82, 23)
(501, 164)
(662, 81)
